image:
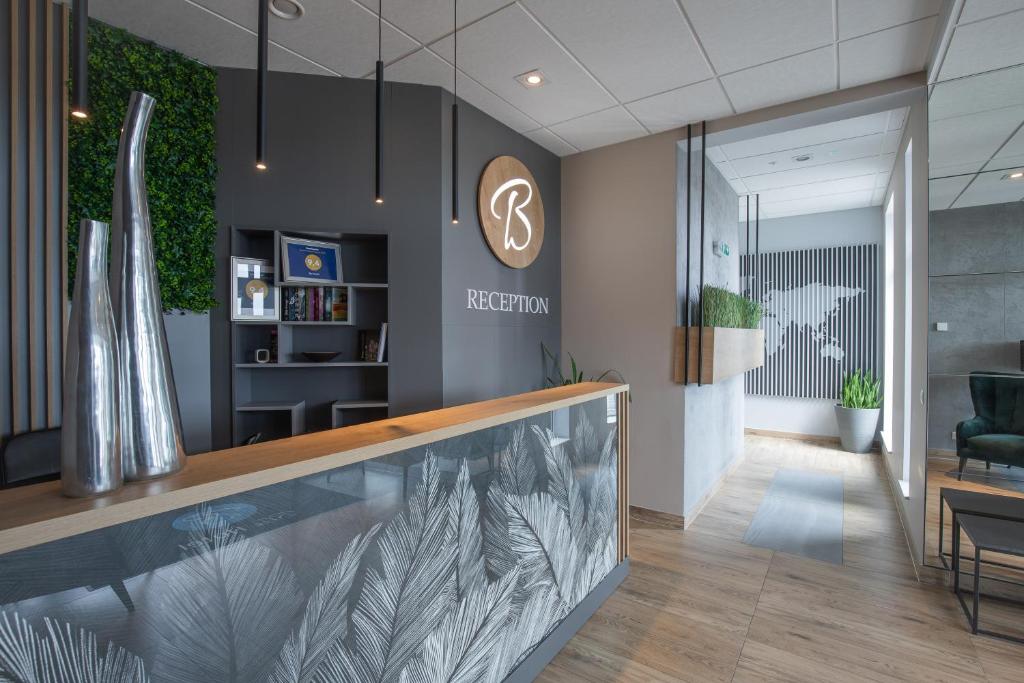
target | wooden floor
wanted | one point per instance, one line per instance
(700, 605)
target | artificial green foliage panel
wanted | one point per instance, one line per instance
(181, 165)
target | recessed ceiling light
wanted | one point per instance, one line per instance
(803, 157)
(1016, 175)
(287, 9)
(532, 79)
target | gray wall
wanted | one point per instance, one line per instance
(188, 334)
(828, 229)
(320, 178)
(619, 296)
(976, 286)
(491, 353)
(713, 417)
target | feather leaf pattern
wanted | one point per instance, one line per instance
(227, 608)
(325, 621)
(404, 600)
(64, 655)
(464, 510)
(562, 484)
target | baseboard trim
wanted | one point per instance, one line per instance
(542, 655)
(662, 520)
(897, 499)
(691, 517)
(816, 439)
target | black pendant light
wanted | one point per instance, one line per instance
(455, 113)
(263, 40)
(80, 59)
(378, 195)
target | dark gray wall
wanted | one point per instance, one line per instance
(491, 353)
(320, 178)
(713, 413)
(976, 285)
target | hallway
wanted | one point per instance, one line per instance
(701, 605)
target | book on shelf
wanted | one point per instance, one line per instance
(315, 304)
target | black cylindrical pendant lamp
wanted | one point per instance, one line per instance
(263, 38)
(378, 150)
(455, 113)
(80, 59)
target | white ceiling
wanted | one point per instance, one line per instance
(617, 69)
(849, 168)
(976, 106)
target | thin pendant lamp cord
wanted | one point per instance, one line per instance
(455, 112)
(380, 23)
(378, 147)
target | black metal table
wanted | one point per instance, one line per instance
(990, 535)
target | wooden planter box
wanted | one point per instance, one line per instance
(728, 351)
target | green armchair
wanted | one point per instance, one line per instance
(996, 432)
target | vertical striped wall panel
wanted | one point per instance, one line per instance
(821, 318)
(33, 58)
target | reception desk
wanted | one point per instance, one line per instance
(467, 543)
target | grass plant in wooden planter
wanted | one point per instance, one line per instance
(733, 340)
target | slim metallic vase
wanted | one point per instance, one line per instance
(151, 444)
(90, 443)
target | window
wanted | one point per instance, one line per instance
(888, 326)
(908, 328)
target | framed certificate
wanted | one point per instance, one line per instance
(253, 293)
(310, 262)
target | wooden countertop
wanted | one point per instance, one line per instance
(32, 515)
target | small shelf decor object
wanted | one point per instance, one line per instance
(320, 356)
(254, 296)
(310, 261)
(857, 415)
(731, 338)
(372, 344)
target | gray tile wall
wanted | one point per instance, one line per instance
(976, 287)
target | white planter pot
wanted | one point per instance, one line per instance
(857, 428)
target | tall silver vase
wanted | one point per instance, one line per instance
(90, 443)
(151, 444)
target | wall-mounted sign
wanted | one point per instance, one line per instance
(506, 302)
(511, 211)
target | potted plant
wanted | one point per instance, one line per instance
(857, 415)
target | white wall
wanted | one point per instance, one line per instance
(619, 296)
(811, 231)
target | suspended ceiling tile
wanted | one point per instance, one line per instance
(341, 36)
(428, 20)
(882, 179)
(551, 142)
(601, 128)
(500, 47)
(943, 191)
(821, 189)
(823, 154)
(1014, 148)
(990, 188)
(812, 135)
(194, 32)
(738, 33)
(857, 17)
(993, 90)
(971, 138)
(838, 202)
(983, 9)
(885, 54)
(628, 50)
(985, 45)
(424, 67)
(878, 196)
(675, 108)
(897, 117)
(1014, 163)
(803, 176)
(784, 80)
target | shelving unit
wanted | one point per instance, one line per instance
(343, 391)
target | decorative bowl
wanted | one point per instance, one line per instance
(320, 356)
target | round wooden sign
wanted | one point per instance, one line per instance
(511, 211)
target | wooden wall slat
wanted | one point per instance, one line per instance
(33, 197)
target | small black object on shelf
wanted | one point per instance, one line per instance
(320, 356)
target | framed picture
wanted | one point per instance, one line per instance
(310, 261)
(253, 293)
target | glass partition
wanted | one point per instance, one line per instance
(445, 562)
(976, 293)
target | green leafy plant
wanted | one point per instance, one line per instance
(862, 391)
(723, 308)
(181, 164)
(558, 378)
